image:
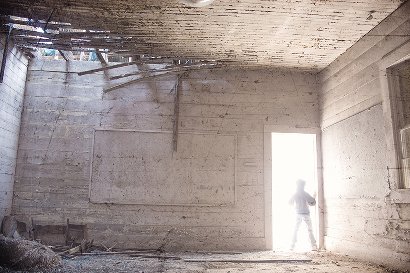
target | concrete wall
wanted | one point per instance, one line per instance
(361, 218)
(62, 110)
(11, 105)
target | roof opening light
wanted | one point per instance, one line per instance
(197, 3)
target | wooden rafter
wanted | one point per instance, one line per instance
(106, 68)
(115, 87)
(171, 69)
(138, 73)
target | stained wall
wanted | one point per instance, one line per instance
(362, 218)
(11, 104)
(69, 128)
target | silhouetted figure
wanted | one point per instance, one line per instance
(301, 199)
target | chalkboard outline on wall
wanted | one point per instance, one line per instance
(96, 198)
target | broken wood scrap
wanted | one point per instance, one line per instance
(247, 261)
(33, 45)
(219, 252)
(31, 22)
(91, 71)
(156, 256)
(140, 72)
(160, 74)
(106, 68)
(108, 248)
(131, 252)
(112, 88)
(171, 68)
(24, 30)
(59, 248)
(80, 248)
(101, 58)
(67, 55)
(30, 32)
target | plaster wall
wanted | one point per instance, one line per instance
(62, 110)
(11, 105)
(360, 217)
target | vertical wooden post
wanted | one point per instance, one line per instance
(67, 232)
(176, 114)
(5, 51)
(33, 230)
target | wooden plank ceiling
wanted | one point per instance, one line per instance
(307, 34)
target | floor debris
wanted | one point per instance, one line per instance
(321, 262)
(22, 254)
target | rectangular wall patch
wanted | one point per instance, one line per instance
(134, 167)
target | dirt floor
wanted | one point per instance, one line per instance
(266, 261)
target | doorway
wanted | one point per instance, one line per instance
(294, 156)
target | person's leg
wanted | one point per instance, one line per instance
(298, 220)
(308, 222)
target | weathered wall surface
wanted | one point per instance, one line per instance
(360, 220)
(62, 110)
(11, 105)
(200, 173)
(351, 83)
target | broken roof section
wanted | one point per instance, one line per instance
(58, 40)
(282, 33)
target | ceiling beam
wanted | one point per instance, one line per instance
(148, 61)
(175, 68)
(106, 68)
(140, 72)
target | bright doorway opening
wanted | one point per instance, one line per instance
(294, 156)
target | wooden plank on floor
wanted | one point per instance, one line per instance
(247, 260)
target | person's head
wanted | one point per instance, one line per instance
(300, 184)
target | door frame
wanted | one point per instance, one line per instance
(267, 160)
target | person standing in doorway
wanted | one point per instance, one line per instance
(302, 200)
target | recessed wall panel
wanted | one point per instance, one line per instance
(134, 167)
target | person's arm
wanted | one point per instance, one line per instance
(310, 200)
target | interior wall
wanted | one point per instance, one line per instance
(11, 105)
(361, 219)
(62, 110)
